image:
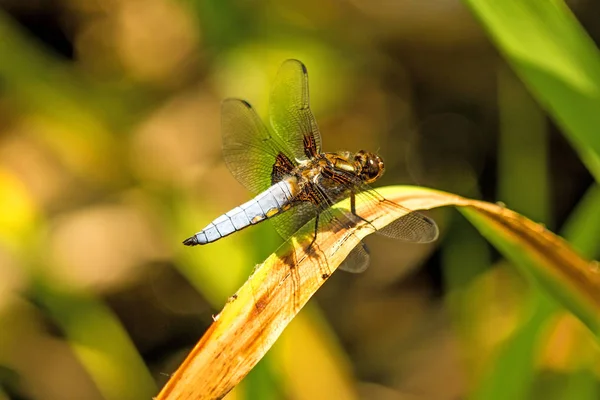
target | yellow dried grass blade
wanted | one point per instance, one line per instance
(256, 315)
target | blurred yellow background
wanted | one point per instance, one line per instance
(110, 157)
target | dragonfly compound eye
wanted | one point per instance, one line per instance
(372, 167)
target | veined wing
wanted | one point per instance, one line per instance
(291, 118)
(256, 158)
(328, 219)
(412, 226)
(288, 223)
(357, 261)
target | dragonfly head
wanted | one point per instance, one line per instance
(370, 166)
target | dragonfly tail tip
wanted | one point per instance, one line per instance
(191, 241)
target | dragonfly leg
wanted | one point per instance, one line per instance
(353, 210)
(314, 239)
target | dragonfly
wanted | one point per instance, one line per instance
(295, 182)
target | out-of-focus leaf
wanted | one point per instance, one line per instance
(318, 368)
(17, 209)
(556, 59)
(99, 341)
(256, 315)
(582, 229)
(544, 257)
(38, 80)
(523, 183)
(512, 373)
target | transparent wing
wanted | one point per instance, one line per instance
(357, 261)
(289, 222)
(291, 118)
(249, 150)
(337, 219)
(258, 159)
(411, 226)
